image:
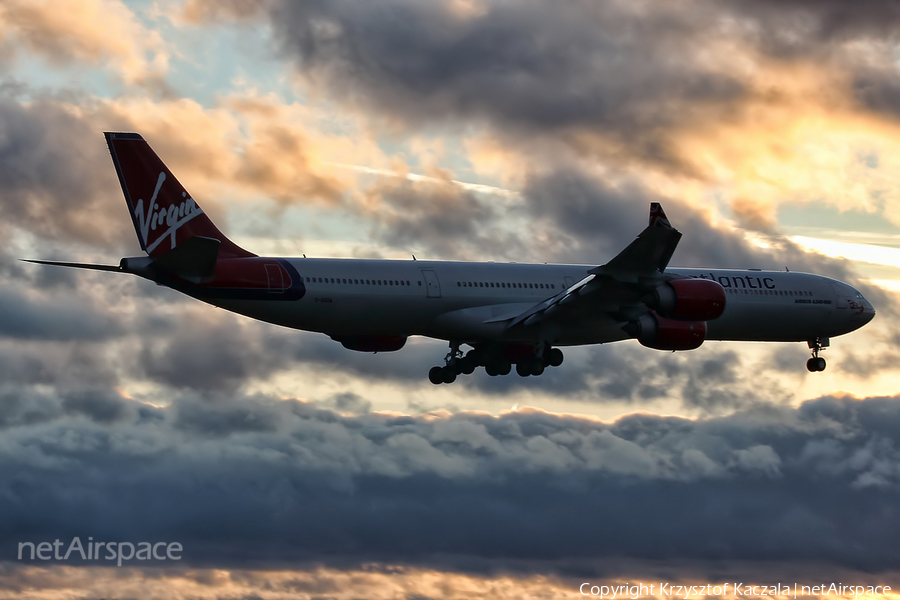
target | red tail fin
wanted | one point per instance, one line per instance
(164, 214)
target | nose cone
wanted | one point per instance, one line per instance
(863, 311)
(868, 312)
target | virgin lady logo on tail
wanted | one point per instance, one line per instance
(173, 217)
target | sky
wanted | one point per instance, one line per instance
(488, 130)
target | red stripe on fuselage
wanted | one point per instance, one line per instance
(246, 279)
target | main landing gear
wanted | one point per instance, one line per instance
(817, 363)
(496, 360)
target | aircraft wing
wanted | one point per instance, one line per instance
(617, 286)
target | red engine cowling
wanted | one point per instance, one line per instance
(689, 300)
(372, 343)
(660, 333)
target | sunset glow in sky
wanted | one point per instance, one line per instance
(486, 130)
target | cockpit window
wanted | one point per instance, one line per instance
(842, 289)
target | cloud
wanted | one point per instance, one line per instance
(380, 581)
(296, 482)
(25, 317)
(206, 11)
(80, 34)
(57, 182)
(420, 62)
(763, 103)
(822, 23)
(441, 218)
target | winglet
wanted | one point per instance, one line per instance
(658, 216)
(650, 253)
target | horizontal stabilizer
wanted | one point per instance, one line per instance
(56, 263)
(193, 258)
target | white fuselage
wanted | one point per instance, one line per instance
(471, 301)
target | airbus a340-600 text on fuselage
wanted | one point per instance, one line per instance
(507, 313)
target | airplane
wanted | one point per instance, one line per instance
(507, 313)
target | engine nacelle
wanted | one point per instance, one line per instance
(660, 333)
(689, 300)
(372, 343)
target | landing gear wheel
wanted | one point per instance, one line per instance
(436, 375)
(448, 374)
(467, 365)
(504, 367)
(537, 368)
(554, 357)
(816, 363)
(491, 369)
(523, 368)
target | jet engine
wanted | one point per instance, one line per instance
(688, 300)
(372, 343)
(661, 333)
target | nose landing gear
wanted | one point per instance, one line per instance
(817, 363)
